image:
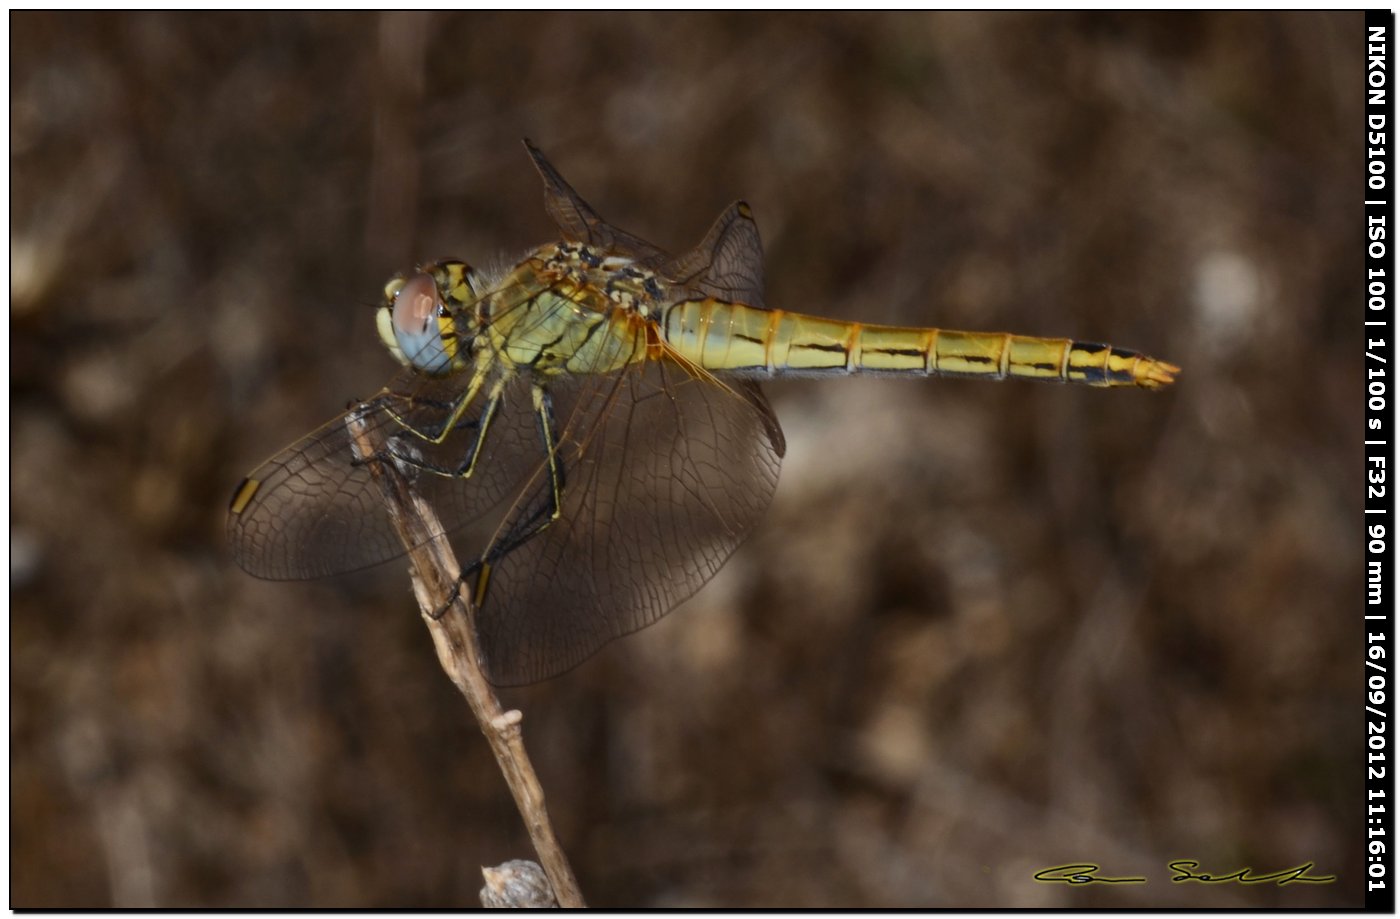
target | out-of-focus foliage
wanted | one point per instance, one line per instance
(985, 629)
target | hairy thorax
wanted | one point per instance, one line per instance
(569, 309)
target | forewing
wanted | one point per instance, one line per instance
(666, 471)
(727, 264)
(314, 509)
(580, 223)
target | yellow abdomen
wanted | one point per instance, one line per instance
(731, 337)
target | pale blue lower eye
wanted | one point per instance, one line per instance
(425, 350)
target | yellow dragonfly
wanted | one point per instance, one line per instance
(593, 415)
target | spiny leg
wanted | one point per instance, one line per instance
(524, 529)
(399, 444)
(459, 407)
(467, 466)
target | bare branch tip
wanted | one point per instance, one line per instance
(517, 884)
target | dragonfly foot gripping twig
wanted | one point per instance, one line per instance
(446, 610)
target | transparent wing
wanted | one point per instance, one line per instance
(314, 510)
(666, 470)
(727, 264)
(580, 223)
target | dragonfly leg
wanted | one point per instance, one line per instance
(459, 408)
(523, 530)
(452, 596)
(399, 447)
(467, 466)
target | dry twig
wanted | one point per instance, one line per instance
(435, 572)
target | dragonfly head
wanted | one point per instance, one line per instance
(424, 314)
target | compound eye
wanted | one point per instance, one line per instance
(416, 305)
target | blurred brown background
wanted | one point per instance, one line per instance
(985, 629)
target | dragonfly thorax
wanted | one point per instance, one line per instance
(625, 283)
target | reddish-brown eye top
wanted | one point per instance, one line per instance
(416, 304)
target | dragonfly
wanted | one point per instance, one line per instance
(593, 417)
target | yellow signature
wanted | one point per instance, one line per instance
(1183, 870)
